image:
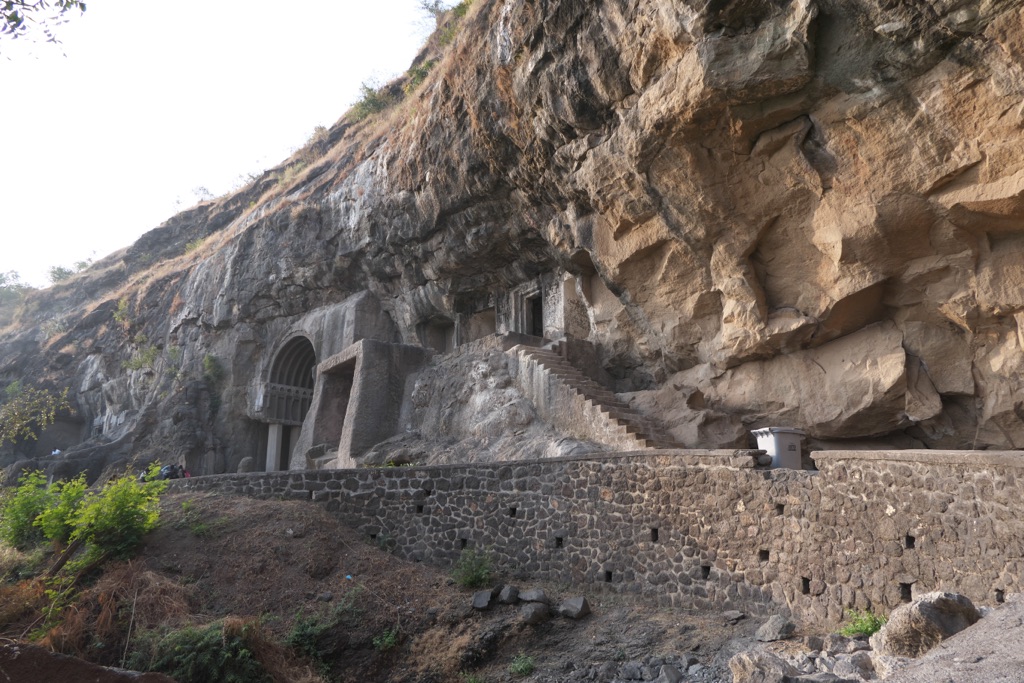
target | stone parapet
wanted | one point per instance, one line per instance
(699, 529)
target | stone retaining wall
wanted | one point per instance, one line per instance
(702, 529)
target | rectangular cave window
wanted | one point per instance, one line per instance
(559, 542)
(909, 542)
(373, 537)
(419, 509)
(608, 575)
(438, 334)
(805, 585)
(512, 512)
(1000, 595)
(906, 592)
(705, 571)
(481, 324)
(654, 535)
(780, 509)
(763, 555)
(463, 543)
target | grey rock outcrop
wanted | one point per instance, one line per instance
(749, 226)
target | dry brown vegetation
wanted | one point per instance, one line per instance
(291, 579)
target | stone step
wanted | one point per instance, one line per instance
(617, 414)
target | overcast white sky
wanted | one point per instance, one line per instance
(108, 134)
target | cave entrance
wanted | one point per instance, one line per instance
(534, 315)
(287, 399)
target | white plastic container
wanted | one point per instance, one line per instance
(783, 444)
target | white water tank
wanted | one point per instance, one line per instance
(783, 444)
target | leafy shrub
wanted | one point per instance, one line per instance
(121, 315)
(522, 665)
(372, 101)
(472, 678)
(290, 173)
(114, 521)
(448, 33)
(417, 75)
(213, 372)
(862, 623)
(386, 640)
(472, 569)
(57, 521)
(192, 245)
(59, 273)
(143, 359)
(223, 651)
(311, 634)
(20, 509)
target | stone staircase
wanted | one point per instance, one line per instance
(578, 405)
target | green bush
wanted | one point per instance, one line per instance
(472, 569)
(386, 640)
(114, 521)
(222, 651)
(311, 634)
(20, 510)
(192, 245)
(143, 359)
(862, 623)
(372, 101)
(213, 372)
(59, 274)
(522, 665)
(417, 75)
(57, 521)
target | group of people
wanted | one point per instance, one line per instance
(168, 472)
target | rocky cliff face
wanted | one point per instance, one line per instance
(803, 212)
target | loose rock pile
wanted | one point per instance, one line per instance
(912, 630)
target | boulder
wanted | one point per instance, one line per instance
(733, 616)
(574, 608)
(483, 599)
(758, 666)
(534, 612)
(776, 628)
(508, 595)
(917, 627)
(669, 674)
(535, 595)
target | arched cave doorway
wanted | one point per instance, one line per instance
(287, 399)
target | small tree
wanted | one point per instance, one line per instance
(59, 274)
(11, 287)
(435, 8)
(17, 17)
(114, 521)
(57, 521)
(28, 409)
(20, 510)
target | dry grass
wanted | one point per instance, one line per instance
(20, 605)
(128, 598)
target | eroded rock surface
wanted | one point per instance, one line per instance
(807, 212)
